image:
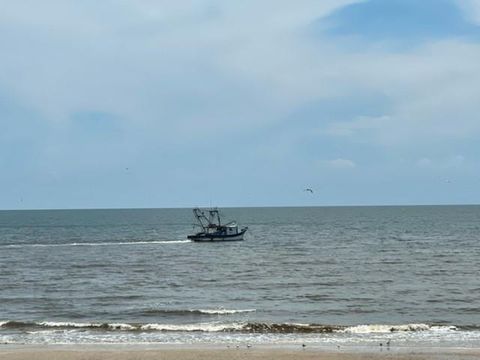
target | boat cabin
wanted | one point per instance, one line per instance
(212, 228)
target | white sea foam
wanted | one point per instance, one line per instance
(444, 328)
(382, 328)
(113, 326)
(120, 326)
(203, 327)
(67, 324)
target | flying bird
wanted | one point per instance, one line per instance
(308, 190)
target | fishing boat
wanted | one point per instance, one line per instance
(212, 228)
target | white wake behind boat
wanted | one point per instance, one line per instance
(212, 228)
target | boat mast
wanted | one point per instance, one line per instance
(201, 218)
(212, 222)
(214, 217)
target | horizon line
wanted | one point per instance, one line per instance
(242, 207)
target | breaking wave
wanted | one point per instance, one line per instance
(233, 327)
(45, 325)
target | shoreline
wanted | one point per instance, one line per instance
(223, 352)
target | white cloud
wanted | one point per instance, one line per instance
(189, 68)
(434, 93)
(179, 72)
(153, 61)
(471, 9)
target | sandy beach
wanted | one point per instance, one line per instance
(189, 353)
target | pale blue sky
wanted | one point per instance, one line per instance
(140, 103)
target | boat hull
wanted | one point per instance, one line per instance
(202, 237)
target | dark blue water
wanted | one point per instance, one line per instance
(346, 274)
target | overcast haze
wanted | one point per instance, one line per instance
(136, 103)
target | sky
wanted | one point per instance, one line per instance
(152, 104)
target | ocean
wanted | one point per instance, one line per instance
(320, 276)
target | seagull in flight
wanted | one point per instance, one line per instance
(308, 190)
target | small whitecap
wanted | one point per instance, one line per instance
(223, 311)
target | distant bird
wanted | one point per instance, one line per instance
(249, 346)
(388, 343)
(308, 190)
(304, 346)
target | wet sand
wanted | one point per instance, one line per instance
(169, 353)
